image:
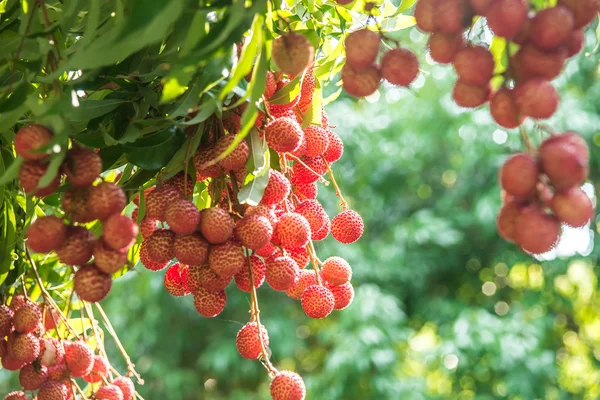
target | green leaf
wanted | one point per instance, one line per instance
(313, 115)
(259, 152)
(172, 90)
(288, 93)
(183, 155)
(12, 171)
(90, 109)
(405, 5)
(252, 192)
(16, 99)
(52, 171)
(154, 151)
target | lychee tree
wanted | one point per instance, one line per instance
(192, 138)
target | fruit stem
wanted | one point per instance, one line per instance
(74, 385)
(24, 287)
(321, 179)
(99, 342)
(314, 260)
(526, 140)
(111, 331)
(255, 317)
(338, 192)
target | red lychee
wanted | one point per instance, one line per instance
(237, 158)
(24, 347)
(584, 10)
(119, 232)
(399, 67)
(336, 271)
(82, 167)
(51, 352)
(474, 65)
(283, 135)
(301, 256)
(108, 260)
(505, 223)
(147, 226)
(565, 159)
(451, 16)
(309, 171)
(209, 304)
(278, 189)
(46, 234)
(78, 247)
(424, 11)
(106, 199)
(10, 363)
(480, 6)
(317, 301)
(16, 396)
(30, 174)
(282, 273)
(158, 200)
(287, 385)
(202, 158)
(126, 385)
(242, 278)
(175, 280)
(91, 284)
(254, 231)
(306, 190)
(470, 96)
(292, 231)
(575, 42)
(551, 27)
(27, 318)
(6, 317)
(109, 392)
(100, 369)
(160, 245)
(248, 343)
(191, 249)
(347, 227)
(53, 390)
(79, 358)
(362, 47)
(360, 83)
(519, 175)
(226, 259)
(182, 216)
(573, 207)
(323, 232)
(317, 140)
(30, 139)
(546, 64)
(306, 278)
(536, 231)
(292, 53)
(75, 204)
(504, 109)
(148, 262)
(507, 17)
(181, 182)
(314, 213)
(216, 225)
(343, 295)
(443, 46)
(208, 279)
(537, 98)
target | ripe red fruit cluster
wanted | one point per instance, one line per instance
(82, 202)
(361, 75)
(29, 344)
(542, 191)
(546, 39)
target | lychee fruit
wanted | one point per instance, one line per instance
(160, 245)
(99, 370)
(505, 223)
(575, 42)
(565, 159)
(283, 135)
(158, 200)
(210, 281)
(535, 231)
(314, 213)
(6, 317)
(343, 295)
(182, 183)
(573, 207)
(30, 174)
(119, 232)
(347, 227)
(226, 259)
(126, 385)
(191, 249)
(24, 347)
(27, 318)
(443, 46)
(16, 396)
(51, 352)
(507, 17)
(147, 226)
(108, 260)
(287, 385)
(75, 204)
(537, 98)
(278, 188)
(79, 358)
(584, 11)
(451, 16)
(306, 190)
(202, 158)
(248, 342)
(106, 199)
(474, 65)
(519, 175)
(551, 27)
(399, 67)
(317, 301)
(292, 231)
(360, 83)
(78, 246)
(267, 251)
(54, 390)
(424, 11)
(300, 255)
(10, 363)
(265, 211)
(323, 232)
(209, 304)
(480, 6)
(282, 273)
(82, 167)
(546, 64)
(91, 284)
(335, 148)
(292, 53)
(242, 278)
(237, 158)
(50, 315)
(30, 139)
(175, 280)
(306, 278)
(109, 392)
(310, 170)
(182, 216)
(216, 225)
(271, 85)
(504, 109)
(17, 302)
(470, 96)
(362, 47)
(254, 231)
(58, 372)
(148, 262)
(336, 271)
(317, 140)
(46, 234)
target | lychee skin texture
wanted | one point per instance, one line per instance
(399, 67)
(46, 234)
(573, 207)
(254, 231)
(16, 396)
(202, 158)
(79, 358)
(504, 109)
(537, 98)
(106, 199)
(191, 249)
(519, 175)
(449, 15)
(546, 64)
(505, 223)
(242, 278)
(183, 184)
(292, 231)
(24, 347)
(175, 280)
(480, 6)
(278, 189)
(317, 301)
(306, 190)
(287, 385)
(247, 340)
(284, 135)
(119, 232)
(182, 216)
(149, 263)
(335, 149)
(322, 233)
(267, 251)
(292, 53)
(360, 83)
(470, 96)
(17, 302)
(91, 284)
(6, 316)
(575, 42)
(536, 231)
(75, 204)
(347, 227)
(82, 167)
(51, 352)
(317, 140)
(551, 27)
(30, 174)
(306, 278)
(282, 273)
(158, 200)
(336, 271)
(209, 280)
(78, 247)
(209, 304)
(108, 260)
(58, 372)
(584, 10)
(362, 47)
(301, 256)
(565, 160)
(100, 369)
(31, 138)
(305, 175)
(53, 390)
(474, 65)
(507, 17)
(126, 385)
(343, 295)
(50, 315)
(27, 318)
(109, 392)
(237, 158)
(424, 11)
(226, 259)
(314, 213)
(443, 46)
(160, 245)
(216, 225)
(10, 363)
(147, 226)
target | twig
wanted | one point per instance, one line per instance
(338, 192)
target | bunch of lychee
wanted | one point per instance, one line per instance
(30, 344)
(542, 190)
(361, 75)
(82, 203)
(545, 40)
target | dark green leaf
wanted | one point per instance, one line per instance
(154, 151)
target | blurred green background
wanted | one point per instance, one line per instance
(444, 308)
